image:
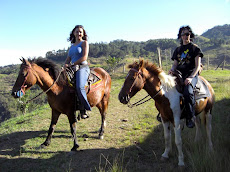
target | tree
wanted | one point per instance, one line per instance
(112, 62)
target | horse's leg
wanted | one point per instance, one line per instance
(73, 124)
(209, 129)
(102, 106)
(168, 143)
(178, 141)
(198, 128)
(55, 116)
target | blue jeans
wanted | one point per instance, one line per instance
(81, 78)
(189, 98)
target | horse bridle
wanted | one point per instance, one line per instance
(138, 73)
(141, 101)
(23, 85)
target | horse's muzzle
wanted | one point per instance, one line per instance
(17, 94)
(124, 99)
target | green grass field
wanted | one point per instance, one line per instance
(133, 139)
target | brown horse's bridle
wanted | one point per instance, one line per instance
(23, 85)
(143, 99)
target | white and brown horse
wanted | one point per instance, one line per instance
(162, 88)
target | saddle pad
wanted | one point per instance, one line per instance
(201, 89)
(93, 78)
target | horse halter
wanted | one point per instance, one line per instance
(143, 99)
(21, 92)
(138, 73)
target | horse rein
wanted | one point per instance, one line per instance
(139, 102)
(142, 101)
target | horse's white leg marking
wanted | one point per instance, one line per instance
(198, 128)
(209, 129)
(174, 98)
(178, 141)
(167, 136)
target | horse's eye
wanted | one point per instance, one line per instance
(24, 73)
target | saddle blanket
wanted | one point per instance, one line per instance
(201, 89)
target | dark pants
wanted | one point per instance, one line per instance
(189, 98)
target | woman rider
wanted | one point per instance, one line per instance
(77, 56)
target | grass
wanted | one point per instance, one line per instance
(133, 139)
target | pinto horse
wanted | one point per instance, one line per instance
(162, 88)
(61, 99)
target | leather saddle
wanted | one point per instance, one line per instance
(93, 79)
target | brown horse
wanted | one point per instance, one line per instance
(60, 97)
(162, 88)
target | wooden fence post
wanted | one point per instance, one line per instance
(159, 56)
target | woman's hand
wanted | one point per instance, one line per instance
(171, 71)
(188, 81)
(66, 65)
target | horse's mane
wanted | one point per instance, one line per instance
(54, 69)
(152, 68)
(167, 80)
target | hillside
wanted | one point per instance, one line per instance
(218, 32)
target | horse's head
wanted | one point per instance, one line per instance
(134, 82)
(25, 80)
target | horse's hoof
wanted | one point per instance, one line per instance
(101, 137)
(44, 145)
(75, 148)
(164, 159)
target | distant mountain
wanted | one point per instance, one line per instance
(218, 32)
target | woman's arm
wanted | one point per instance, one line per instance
(85, 49)
(195, 71)
(67, 62)
(174, 66)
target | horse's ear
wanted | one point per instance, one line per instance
(23, 60)
(141, 63)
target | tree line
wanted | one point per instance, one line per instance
(119, 49)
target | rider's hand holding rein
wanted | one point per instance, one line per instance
(195, 71)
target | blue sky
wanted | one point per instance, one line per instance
(30, 28)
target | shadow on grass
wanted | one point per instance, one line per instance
(133, 158)
(143, 156)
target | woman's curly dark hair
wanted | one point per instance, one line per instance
(192, 35)
(72, 38)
